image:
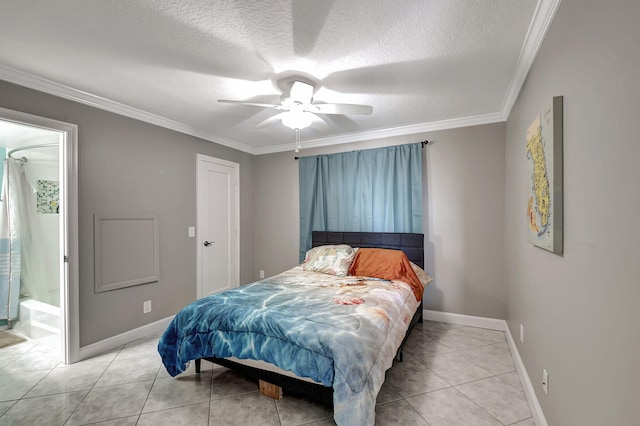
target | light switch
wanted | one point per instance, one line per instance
(192, 231)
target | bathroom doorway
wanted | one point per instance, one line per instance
(38, 231)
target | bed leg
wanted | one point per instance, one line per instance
(270, 390)
(198, 361)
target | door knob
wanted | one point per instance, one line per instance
(208, 243)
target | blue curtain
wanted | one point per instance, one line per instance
(373, 190)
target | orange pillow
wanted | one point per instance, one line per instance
(386, 264)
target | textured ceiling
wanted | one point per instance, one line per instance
(421, 64)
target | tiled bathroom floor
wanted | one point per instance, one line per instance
(451, 375)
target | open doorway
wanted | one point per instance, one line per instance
(38, 231)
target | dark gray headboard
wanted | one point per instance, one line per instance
(411, 244)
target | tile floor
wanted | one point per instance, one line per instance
(451, 375)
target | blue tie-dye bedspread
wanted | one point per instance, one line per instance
(341, 332)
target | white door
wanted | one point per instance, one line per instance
(217, 225)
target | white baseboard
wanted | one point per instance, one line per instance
(501, 325)
(468, 320)
(538, 415)
(105, 345)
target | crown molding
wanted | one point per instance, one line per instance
(31, 81)
(387, 133)
(47, 86)
(542, 18)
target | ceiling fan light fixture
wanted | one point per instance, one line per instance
(300, 111)
(297, 119)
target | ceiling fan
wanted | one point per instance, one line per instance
(299, 109)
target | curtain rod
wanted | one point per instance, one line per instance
(22, 148)
(423, 144)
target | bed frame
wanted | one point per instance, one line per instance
(411, 244)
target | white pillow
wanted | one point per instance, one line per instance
(330, 259)
(424, 278)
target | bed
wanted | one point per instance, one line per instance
(322, 336)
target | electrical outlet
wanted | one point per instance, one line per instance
(146, 307)
(545, 381)
(521, 333)
(261, 273)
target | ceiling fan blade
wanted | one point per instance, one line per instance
(227, 101)
(346, 109)
(301, 92)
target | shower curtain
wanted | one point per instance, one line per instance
(20, 271)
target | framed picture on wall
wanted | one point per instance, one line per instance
(544, 178)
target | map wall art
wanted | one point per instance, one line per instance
(544, 178)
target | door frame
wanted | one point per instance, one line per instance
(69, 259)
(201, 158)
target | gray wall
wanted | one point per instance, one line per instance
(580, 310)
(130, 167)
(463, 215)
